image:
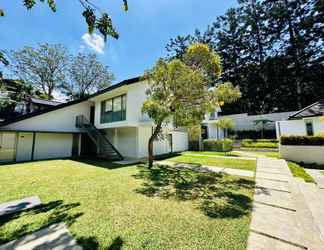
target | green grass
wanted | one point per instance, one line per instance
(217, 162)
(261, 143)
(298, 171)
(210, 153)
(265, 153)
(322, 172)
(106, 207)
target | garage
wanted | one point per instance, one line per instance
(25, 146)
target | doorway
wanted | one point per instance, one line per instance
(8, 146)
(92, 114)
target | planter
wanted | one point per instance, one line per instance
(306, 154)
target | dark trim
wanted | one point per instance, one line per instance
(33, 146)
(64, 105)
(294, 116)
(40, 131)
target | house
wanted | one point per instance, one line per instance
(304, 122)
(108, 124)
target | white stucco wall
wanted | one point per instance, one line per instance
(306, 154)
(297, 127)
(180, 141)
(52, 145)
(62, 120)
(212, 132)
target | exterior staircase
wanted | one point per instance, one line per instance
(105, 149)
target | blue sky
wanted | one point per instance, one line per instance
(144, 30)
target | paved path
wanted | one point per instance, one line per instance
(19, 205)
(220, 156)
(318, 176)
(281, 216)
(231, 171)
(54, 237)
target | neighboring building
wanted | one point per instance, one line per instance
(33, 104)
(108, 124)
(304, 122)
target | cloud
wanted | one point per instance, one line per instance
(94, 42)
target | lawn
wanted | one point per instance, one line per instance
(217, 162)
(109, 207)
(300, 172)
(234, 154)
(322, 172)
(264, 153)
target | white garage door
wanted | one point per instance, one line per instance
(7, 146)
(52, 145)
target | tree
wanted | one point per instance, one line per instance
(179, 91)
(95, 17)
(225, 124)
(87, 75)
(44, 67)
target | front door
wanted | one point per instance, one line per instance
(92, 114)
(7, 146)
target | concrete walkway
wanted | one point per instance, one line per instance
(281, 216)
(220, 156)
(54, 237)
(231, 171)
(317, 176)
(19, 205)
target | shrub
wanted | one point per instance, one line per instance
(245, 134)
(260, 143)
(218, 145)
(302, 140)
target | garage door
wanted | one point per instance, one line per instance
(7, 146)
(52, 145)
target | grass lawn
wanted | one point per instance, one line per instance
(107, 207)
(217, 162)
(265, 153)
(211, 153)
(322, 172)
(298, 171)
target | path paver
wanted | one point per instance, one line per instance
(19, 205)
(231, 171)
(54, 237)
(317, 176)
(281, 218)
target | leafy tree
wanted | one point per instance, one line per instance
(87, 75)
(180, 90)
(225, 124)
(44, 67)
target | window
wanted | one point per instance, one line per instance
(309, 128)
(114, 109)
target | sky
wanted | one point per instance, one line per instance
(144, 30)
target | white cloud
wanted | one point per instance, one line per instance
(94, 42)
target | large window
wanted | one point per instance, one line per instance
(114, 109)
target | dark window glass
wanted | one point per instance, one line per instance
(114, 109)
(309, 129)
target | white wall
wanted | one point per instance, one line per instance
(52, 145)
(212, 132)
(306, 154)
(246, 122)
(298, 127)
(24, 147)
(180, 141)
(62, 120)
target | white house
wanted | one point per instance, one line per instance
(304, 122)
(108, 124)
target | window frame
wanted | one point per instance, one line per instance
(113, 116)
(307, 124)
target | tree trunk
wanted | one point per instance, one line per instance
(154, 135)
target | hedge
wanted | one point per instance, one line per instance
(253, 134)
(218, 145)
(259, 143)
(302, 140)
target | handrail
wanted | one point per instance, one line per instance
(81, 121)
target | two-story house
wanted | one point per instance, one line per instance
(107, 124)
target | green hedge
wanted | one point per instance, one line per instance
(218, 145)
(302, 140)
(259, 143)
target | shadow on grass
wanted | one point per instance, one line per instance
(92, 243)
(218, 195)
(101, 163)
(57, 212)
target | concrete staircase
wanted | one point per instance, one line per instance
(287, 212)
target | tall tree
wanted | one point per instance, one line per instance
(180, 90)
(87, 75)
(44, 67)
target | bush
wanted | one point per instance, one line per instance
(259, 143)
(225, 145)
(253, 134)
(302, 140)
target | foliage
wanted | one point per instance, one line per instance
(44, 67)
(180, 90)
(246, 134)
(96, 18)
(225, 123)
(67, 190)
(225, 145)
(261, 143)
(298, 171)
(302, 140)
(273, 50)
(87, 75)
